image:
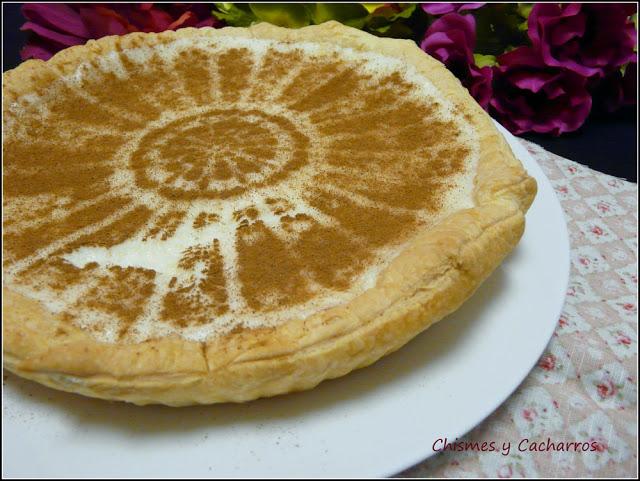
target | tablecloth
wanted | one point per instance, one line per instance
(584, 387)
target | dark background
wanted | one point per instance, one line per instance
(605, 143)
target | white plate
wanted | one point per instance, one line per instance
(373, 422)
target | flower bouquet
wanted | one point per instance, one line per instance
(535, 67)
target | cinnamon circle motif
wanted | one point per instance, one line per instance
(218, 153)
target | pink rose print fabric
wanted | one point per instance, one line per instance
(584, 387)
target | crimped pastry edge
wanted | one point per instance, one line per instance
(429, 279)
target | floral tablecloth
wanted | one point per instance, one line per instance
(584, 387)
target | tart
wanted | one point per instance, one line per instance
(206, 216)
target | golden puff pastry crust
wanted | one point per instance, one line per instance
(437, 266)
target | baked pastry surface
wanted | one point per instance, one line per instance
(211, 215)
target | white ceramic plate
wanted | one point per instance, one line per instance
(373, 422)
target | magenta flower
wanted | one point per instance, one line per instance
(444, 8)
(530, 96)
(56, 26)
(480, 85)
(630, 83)
(588, 39)
(451, 39)
(616, 89)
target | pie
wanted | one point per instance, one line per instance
(205, 215)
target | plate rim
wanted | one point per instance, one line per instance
(518, 151)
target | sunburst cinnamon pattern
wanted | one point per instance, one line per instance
(205, 185)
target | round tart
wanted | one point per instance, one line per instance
(210, 215)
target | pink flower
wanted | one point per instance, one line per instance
(530, 96)
(505, 471)
(548, 362)
(600, 445)
(444, 8)
(451, 39)
(606, 389)
(588, 39)
(623, 339)
(56, 26)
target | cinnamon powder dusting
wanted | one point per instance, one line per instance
(209, 188)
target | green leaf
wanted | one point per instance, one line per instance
(382, 19)
(634, 19)
(239, 15)
(395, 11)
(292, 15)
(484, 60)
(351, 14)
(387, 20)
(372, 7)
(394, 30)
(524, 9)
(497, 25)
